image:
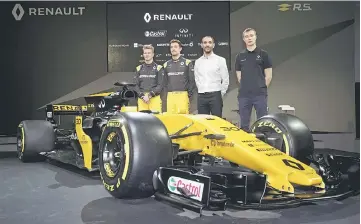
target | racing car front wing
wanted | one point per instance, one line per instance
(199, 188)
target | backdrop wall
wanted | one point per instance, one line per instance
(45, 57)
(56, 59)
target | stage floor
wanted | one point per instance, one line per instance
(37, 193)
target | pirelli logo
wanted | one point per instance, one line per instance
(69, 108)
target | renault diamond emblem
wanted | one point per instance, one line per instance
(284, 7)
(18, 15)
(147, 17)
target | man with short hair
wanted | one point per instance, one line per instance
(149, 82)
(212, 79)
(254, 73)
(179, 80)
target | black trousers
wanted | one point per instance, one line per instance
(246, 103)
(210, 103)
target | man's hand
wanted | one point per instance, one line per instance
(268, 76)
(145, 98)
(223, 95)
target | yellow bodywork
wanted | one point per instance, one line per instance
(85, 142)
(242, 148)
(100, 94)
(282, 171)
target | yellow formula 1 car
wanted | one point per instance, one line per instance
(195, 161)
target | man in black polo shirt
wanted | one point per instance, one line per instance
(254, 73)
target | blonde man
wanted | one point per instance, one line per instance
(149, 82)
(253, 67)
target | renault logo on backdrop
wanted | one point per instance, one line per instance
(163, 17)
(18, 11)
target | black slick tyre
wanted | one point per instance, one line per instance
(34, 137)
(296, 137)
(132, 147)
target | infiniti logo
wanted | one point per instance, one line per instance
(183, 30)
(183, 33)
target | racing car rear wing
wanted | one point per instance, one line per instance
(61, 109)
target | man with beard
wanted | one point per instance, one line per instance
(179, 79)
(149, 82)
(212, 79)
(254, 73)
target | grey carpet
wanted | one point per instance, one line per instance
(38, 193)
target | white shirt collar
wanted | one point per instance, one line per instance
(209, 56)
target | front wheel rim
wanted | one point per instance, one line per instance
(113, 155)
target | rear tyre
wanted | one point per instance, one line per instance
(33, 137)
(297, 140)
(133, 145)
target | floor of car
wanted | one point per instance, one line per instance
(37, 193)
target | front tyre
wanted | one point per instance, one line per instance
(133, 145)
(296, 137)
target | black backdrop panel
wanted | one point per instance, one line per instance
(132, 25)
(357, 102)
(44, 57)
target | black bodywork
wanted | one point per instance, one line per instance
(98, 111)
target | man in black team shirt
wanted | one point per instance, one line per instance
(149, 82)
(179, 80)
(254, 73)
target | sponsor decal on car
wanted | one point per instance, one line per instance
(187, 188)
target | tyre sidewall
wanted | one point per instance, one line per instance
(37, 136)
(266, 124)
(298, 135)
(116, 183)
(20, 146)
